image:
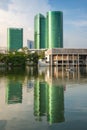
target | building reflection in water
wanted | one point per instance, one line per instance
(60, 74)
(30, 85)
(55, 96)
(13, 92)
(49, 92)
(49, 100)
(39, 99)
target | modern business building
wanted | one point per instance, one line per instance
(30, 44)
(48, 32)
(14, 39)
(54, 29)
(39, 31)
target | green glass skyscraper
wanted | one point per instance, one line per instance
(54, 29)
(39, 31)
(14, 38)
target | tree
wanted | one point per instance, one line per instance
(16, 59)
(41, 54)
(33, 58)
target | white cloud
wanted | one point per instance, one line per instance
(21, 13)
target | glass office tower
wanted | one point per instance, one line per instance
(39, 31)
(54, 28)
(14, 38)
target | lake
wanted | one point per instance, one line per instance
(44, 98)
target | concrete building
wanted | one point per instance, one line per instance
(39, 31)
(14, 39)
(54, 29)
(66, 57)
(30, 44)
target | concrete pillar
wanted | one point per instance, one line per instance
(62, 59)
(51, 60)
(67, 60)
(73, 75)
(51, 72)
(56, 71)
(86, 63)
(57, 59)
(78, 59)
(78, 73)
(86, 60)
(62, 72)
(73, 59)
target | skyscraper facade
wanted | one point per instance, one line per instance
(39, 31)
(54, 29)
(48, 32)
(14, 38)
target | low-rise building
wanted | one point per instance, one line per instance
(66, 57)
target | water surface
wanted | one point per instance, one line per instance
(43, 99)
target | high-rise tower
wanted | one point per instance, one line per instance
(30, 44)
(39, 31)
(14, 38)
(54, 29)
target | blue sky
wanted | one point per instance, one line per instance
(20, 13)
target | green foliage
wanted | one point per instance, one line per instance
(33, 57)
(3, 58)
(41, 54)
(19, 58)
(14, 59)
